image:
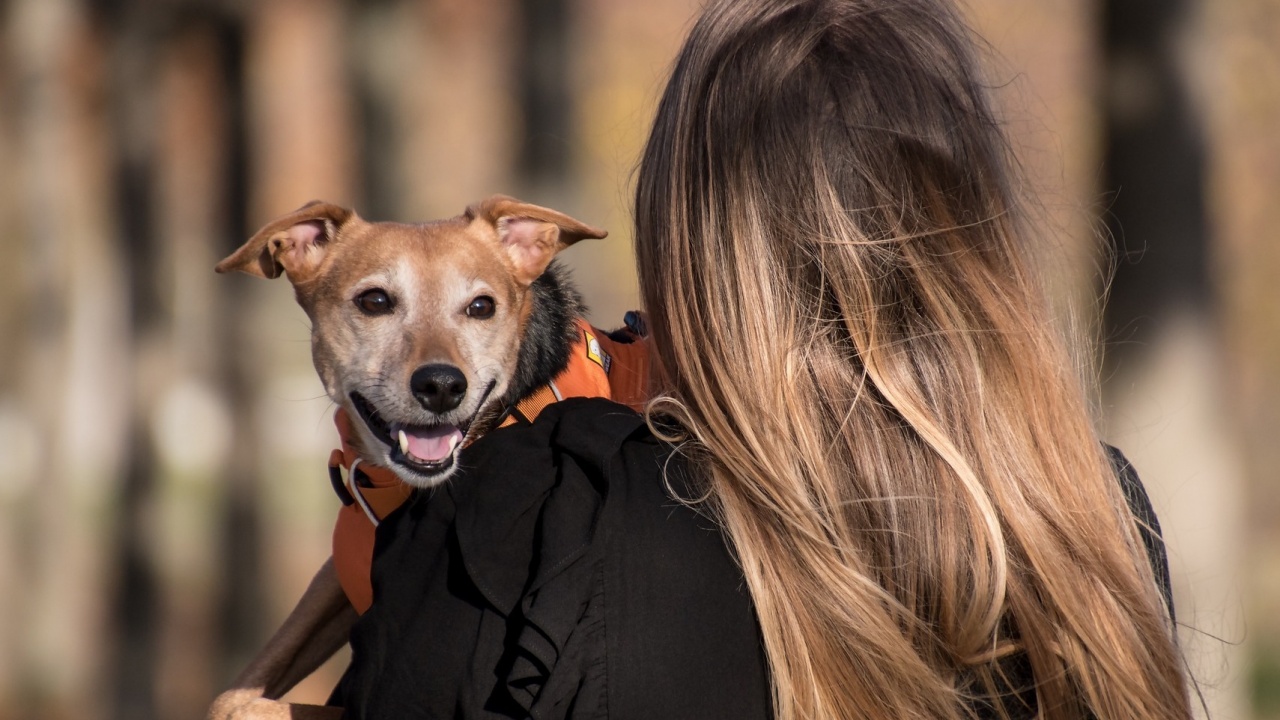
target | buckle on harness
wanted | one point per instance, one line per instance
(348, 490)
(335, 478)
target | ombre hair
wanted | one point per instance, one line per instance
(849, 338)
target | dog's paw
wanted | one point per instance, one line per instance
(242, 704)
(246, 704)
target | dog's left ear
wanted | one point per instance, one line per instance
(531, 234)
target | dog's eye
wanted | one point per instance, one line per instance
(481, 308)
(375, 302)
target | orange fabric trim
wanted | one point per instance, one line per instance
(353, 531)
(353, 537)
(584, 376)
(629, 372)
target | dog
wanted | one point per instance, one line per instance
(421, 330)
(426, 336)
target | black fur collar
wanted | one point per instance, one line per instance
(549, 334)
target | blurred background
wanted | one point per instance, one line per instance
(163, 496)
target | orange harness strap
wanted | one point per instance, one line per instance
(369, 492)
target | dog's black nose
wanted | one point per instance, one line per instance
(440, 388)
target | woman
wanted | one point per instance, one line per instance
(861, 397)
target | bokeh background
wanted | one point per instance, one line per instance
(163, 497)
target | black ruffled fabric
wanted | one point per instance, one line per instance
(546, 595)
(491, 594)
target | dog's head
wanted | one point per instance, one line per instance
(415, 329)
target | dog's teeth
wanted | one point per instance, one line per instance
(404, 442)
(453, 442)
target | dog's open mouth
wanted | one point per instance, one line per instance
(428, 445)
(426, 449)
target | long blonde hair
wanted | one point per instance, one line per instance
(848, 335)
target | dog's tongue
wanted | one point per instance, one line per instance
(430, 444)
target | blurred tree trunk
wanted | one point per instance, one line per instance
(423, 75)
(195, 191)
(1237, 69)
(16, 423)
(136, 599)
(301, 113)
(1154, 164)
(620, 54)
(459, 118)
(75, 317)
(541, 70)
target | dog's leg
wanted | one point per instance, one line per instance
(313, 632)
(263, 709)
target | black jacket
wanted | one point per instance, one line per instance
(557, 578)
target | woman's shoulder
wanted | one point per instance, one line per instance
(1144, 514)
(680, 638)
(606, 460)
(595, 466)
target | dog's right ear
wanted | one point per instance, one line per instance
(293, 244)
(531, 234)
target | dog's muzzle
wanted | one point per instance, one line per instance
(420, 454)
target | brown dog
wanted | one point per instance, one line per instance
(423, 334)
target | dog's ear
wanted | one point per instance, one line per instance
(293, 244)
(531, 234)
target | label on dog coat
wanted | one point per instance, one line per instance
(595, 354)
